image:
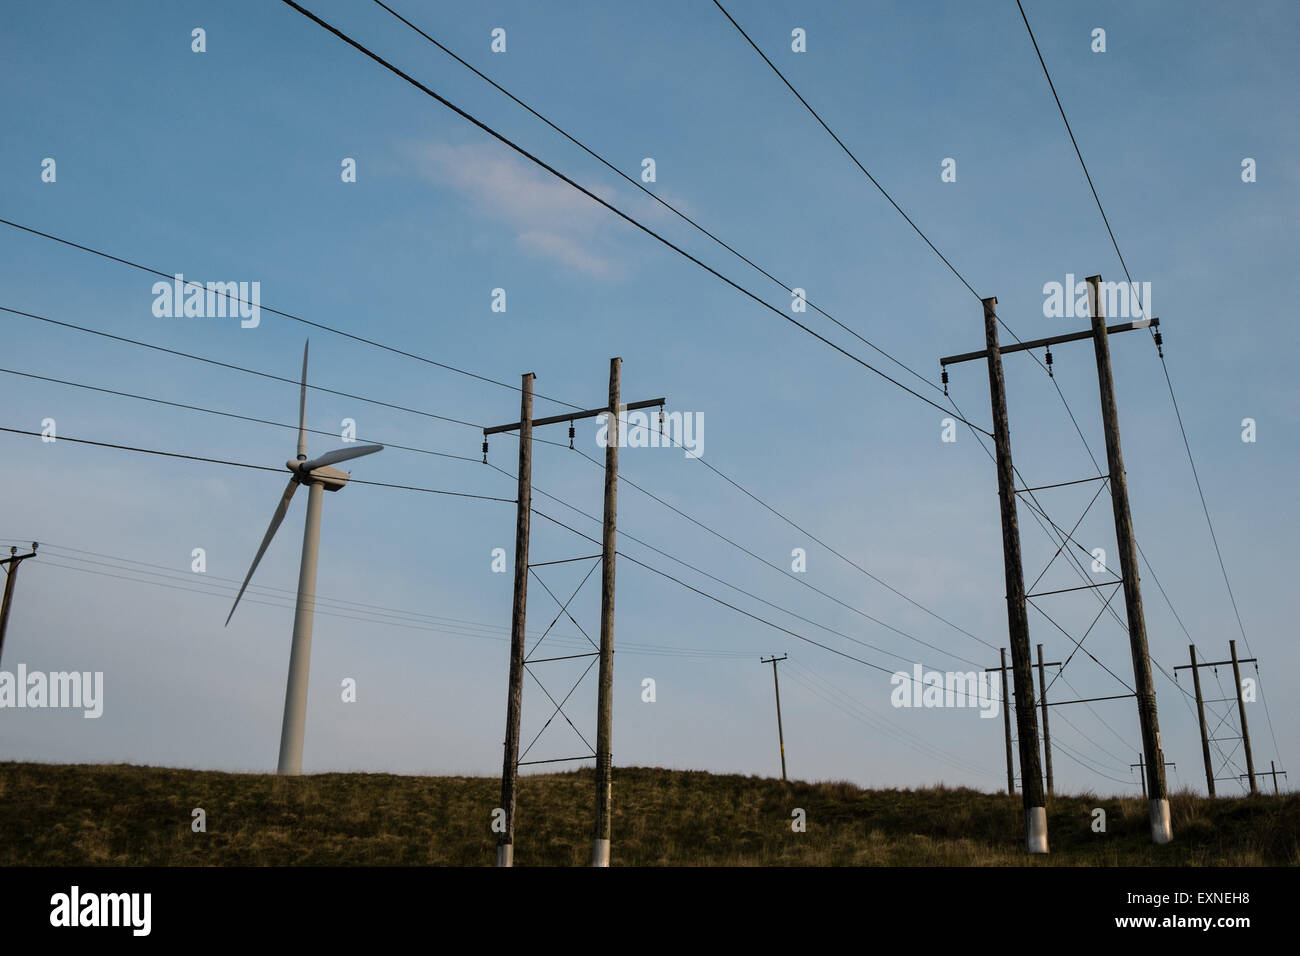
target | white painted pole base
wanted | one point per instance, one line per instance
(1036, 817)
(600, 853)
(1161, 829)
(506, 854)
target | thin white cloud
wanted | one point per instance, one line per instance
(550, 218)
(553, 245)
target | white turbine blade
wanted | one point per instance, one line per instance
(341, 454)
(278, 517)
(302, 406)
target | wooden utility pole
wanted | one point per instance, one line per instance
(11, 579)
(518, 619)
(1016, 617)
(1273, 772)
(1200, 717)
(1161, 829)
(1031, 780)
(1141, 768)
(604, 707)
(1241, 711)
(1006, 722)
(1142, 772)
(1047, 734)
(1264, 773)
(605, 701)
(1006, 715)
(780, 734)
(1195, 667)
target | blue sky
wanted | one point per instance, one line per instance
(225, 166)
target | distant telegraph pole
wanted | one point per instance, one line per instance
(1195, 667)
(1273, 773)
(1006, 719)
(780, 734)
(11, 579)
(1141, 767)
(1047, 734)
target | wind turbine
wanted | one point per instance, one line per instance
(318, 476)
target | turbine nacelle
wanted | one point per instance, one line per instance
(331, 479)
(319, 470)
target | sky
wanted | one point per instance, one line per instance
(228, 165)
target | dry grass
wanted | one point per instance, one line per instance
(127, 815)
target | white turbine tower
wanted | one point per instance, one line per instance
(318, 476)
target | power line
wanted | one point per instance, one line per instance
(787, 574)
(718, 600)
(1074, 564)
(641, 186)
(213, 411)
(428, 414)
(817, 116)
(576, 186)
(1065, 403)
(610, 206)
(852, 702)
(241, 464)
(917, 229)
(687, 219)
(198, 358)
(1094, 713)
(319, 325)
(883, 192)
(237, 368)
(430, 491)
(145, 567)
(1034, 512)
(560, 501)
(1066, 750)
(462, 371)
(1099, 747)
(286, 315)
(854, 708)
(326, 607)
(168, 582)
(811, 537)
(847, 151)
(736, 588)
(484, 378)
(1168, 381)
(1074, 142)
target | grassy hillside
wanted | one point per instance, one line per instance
(126, 815)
